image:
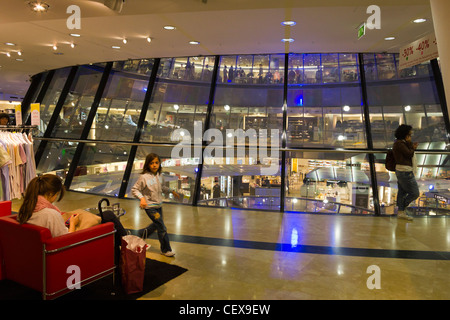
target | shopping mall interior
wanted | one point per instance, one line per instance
(272, 126)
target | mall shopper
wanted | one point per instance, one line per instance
(148, 189)
(38, 209)
(404, 154)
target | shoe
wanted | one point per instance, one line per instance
(168, 253)
(404, 216)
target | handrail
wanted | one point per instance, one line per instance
(288, 197)
(293, 149)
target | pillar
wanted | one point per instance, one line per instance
(441, 19)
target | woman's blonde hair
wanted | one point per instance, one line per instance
(47, 184)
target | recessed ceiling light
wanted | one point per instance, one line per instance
(72, 45)
(194, 42)
(389, 38)
(289, 23)
(19, 53)
(55, 47)
(38, 6)
(169, 27)
(8, 54)
(115, 47)
(10, 44)
(75, 35)
(149, 39)
(124, 41)
(288, 40)
(420, 20)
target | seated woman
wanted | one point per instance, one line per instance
(37, 209)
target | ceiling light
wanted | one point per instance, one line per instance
(18, 59)
(10, 44)
(194, 42)
(389, 38)
(169, 27)
(55, 47)
(38, 6)
(408, 108)
(115, 47)
(124, 41)
(19, 53)
(420, 20)
(8, 54)
(72, 45)
(75, 35)
(289, 23)
(346, 108)
(288, 40)
(149, 39)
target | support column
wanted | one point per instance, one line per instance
(441, 20)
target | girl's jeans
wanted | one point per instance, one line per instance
(408, 190)
(155, 214)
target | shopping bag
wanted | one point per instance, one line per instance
(132, 263)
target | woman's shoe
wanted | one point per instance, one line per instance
(402, 215)
(168, 253)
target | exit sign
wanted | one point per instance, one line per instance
(361, 30)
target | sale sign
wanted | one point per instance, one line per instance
(424, 49)
(35, 114)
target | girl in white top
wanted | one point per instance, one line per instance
(148, 189)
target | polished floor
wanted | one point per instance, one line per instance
(241, 254)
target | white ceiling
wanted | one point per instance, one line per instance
(221, 26)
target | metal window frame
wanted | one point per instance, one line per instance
(370, 151)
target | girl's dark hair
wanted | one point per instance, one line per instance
(402, 131)
(150, 157)
(47, 184)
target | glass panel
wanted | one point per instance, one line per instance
(246, 178)
(56, 158)
(249, 69)
(414, 102)
(312, 70)
(328, 183)
(386, 68)
(100, 169)
(187, 68)
(248, 106)
(121, 104)
(349, 67)
(179, 174)
(78, 102)
(431, 174)
(51, 97)
(32, 100)
(295, 73)
(178, 105)
(329, 115)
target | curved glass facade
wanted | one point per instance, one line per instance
(285, 132)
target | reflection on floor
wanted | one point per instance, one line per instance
(242, 254)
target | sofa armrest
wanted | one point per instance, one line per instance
(78, 237)
(5, 208)
(89, 251)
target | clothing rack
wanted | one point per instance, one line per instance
(19, 128)
(17, 164)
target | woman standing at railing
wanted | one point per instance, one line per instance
(404, 154)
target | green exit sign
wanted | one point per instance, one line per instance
(361, 31)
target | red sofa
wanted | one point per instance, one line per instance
(30, 256)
